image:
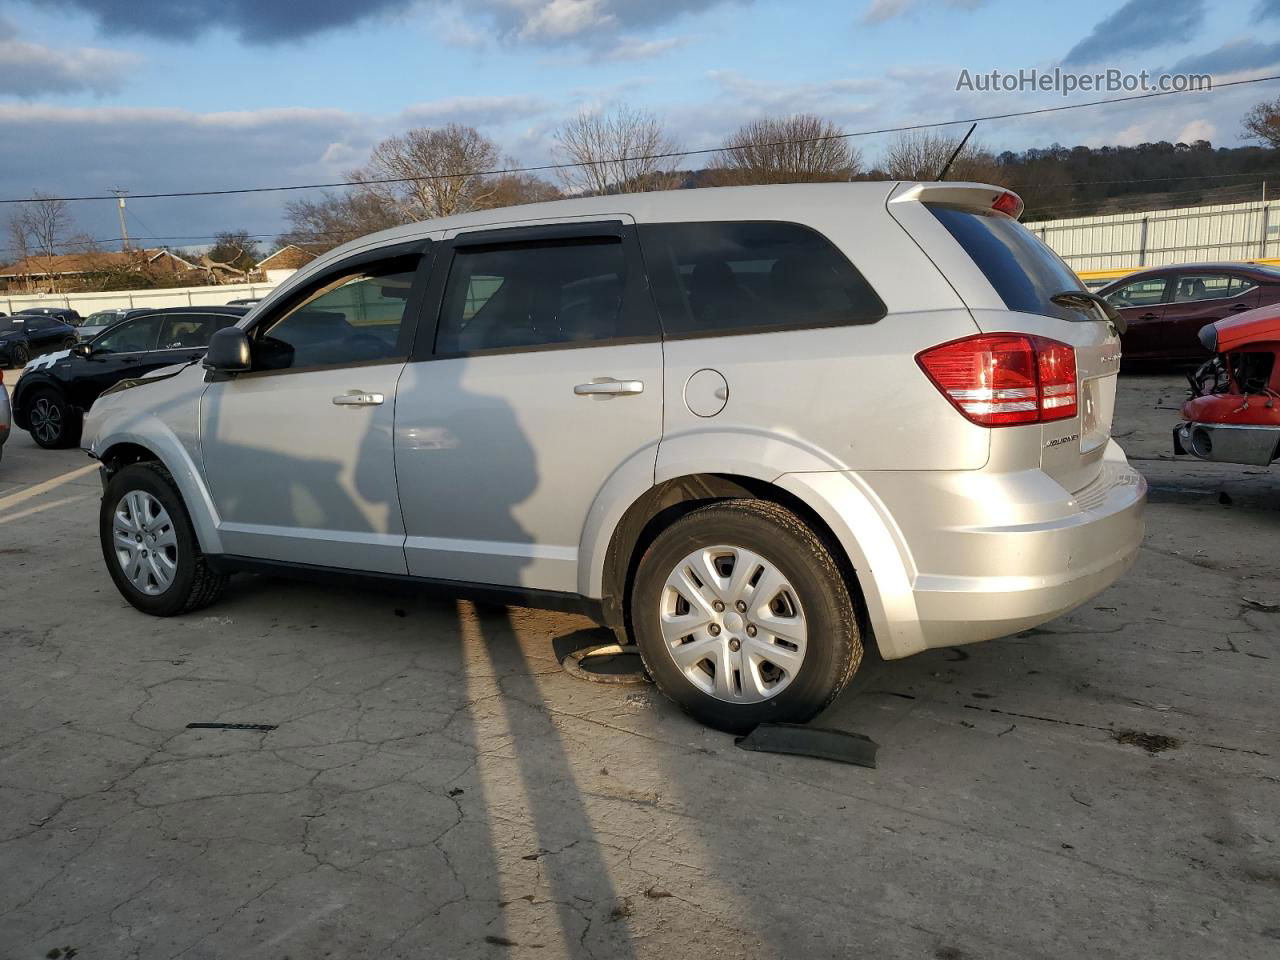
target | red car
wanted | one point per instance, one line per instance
(1233, 414)
(1166, 306)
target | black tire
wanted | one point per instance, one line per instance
(833, 645)
(19, 355)
(195, 583)
(52, 423)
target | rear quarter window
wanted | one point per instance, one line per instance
(1017, 263)
(748, 277)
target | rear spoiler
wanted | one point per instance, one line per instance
(976, 196)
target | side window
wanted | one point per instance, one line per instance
(131, 336)
(537, 293)
(1141, 293)
(181, 330)
(721, 277)
(1209, 286)
(355, 317)
(39, 324)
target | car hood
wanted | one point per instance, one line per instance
(1252, 326)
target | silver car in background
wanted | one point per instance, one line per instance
(750, 429)
(6, 415)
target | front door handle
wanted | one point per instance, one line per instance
(1147, 316)
(1241, 306)
(609, 387)
(358, 398)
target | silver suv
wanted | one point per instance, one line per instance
(748, 428)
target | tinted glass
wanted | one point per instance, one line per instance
(13, 325)
(1017, 263)
(738, 277)
(1140, 293)
(355, 318)
(181, 330)
(130, 336)
(534, 294)
(1209, 286)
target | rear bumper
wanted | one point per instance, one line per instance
(1038, 570)
(970, 555)
(1228, 442)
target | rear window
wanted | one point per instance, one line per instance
(743, 277)
(1021, 267)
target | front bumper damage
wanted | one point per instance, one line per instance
(1228, 442)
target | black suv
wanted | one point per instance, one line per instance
(53, 393)
(27, 335)
(65, 314)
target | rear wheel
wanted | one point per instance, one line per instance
(150, 546)
(52, 422)
(742, 616)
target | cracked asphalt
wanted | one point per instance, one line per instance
(436, 786)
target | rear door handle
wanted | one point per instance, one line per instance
(1241, 306)
(358, 398)
(1147, 316)
(609, 387)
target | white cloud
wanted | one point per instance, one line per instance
(561, 19)
(636, 48)
(882, 11)
(32, 69)
(474, 111)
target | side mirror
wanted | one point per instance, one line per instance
(228, 352)
(81, 350)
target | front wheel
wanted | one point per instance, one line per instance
(52, 422)
(742, 616)
(149, 544)
(19, 356)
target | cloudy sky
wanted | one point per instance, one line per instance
(162, 95)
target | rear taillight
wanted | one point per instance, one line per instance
(1005, 379)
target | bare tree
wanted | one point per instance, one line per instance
(513, 189)
(46, 222)
(921, 154)
(1263, 122)
(795, 149)
(441, 171)
(622, 150)
(36, 229)
(236, 248)
(337, 218)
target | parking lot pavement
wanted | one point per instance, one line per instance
(436, 786)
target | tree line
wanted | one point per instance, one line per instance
(426, 173)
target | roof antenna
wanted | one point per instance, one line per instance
(942, 174)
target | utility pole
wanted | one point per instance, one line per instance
(124, 230)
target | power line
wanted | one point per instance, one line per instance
(542, 168)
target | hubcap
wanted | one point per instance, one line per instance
(146, 545)
(46, 420)
(733, 624)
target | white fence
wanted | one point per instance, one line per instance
(1232, 231)
(86, 303)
